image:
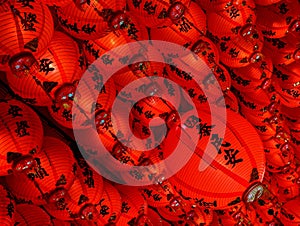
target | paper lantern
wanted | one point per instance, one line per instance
(35, 178)
(7, 207)
(290, 212)
(157, 13)
(81, 200)
(237, 214)
(28, 27)
(27, 214)
(254, 76)
(21, 133)
(89, 19)
(180, 212)
(286, 49)
(265, 204)
(242, 49)
(234, 164)
(134, 207)
(186, 31)
(125, 30)
(228, 21)
(274, 20)
(110, 205)
(60, 64)
(66, 106)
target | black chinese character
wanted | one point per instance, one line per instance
(149, 8)
(125, 207)
(10, 209)
(217, 142)
(22, 127)
(149, 114)
(184, 25)
(106, 59)
(204, 129)
(14, 111)
(233, 53)
(87, 29)
(192, 121)
(45, 66)
(233, 12)
(283, 8)
(26, 3)
(136, 3)
(28, 21)
(231, 157)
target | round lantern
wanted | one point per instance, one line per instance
(62, 111)
(286, 48)
(89, 19)
(158, 13)
(54, 167)
(287, 76)
(21, 134)
(233, 169)
(290, 212)
(7, 207)
(31, 215)
(189, 28)
(274, 20)
(241, 49)
(81, 200)
(227, 22)
(254, 76)
(60, 64)
(125, 30)
(134, 207)
(27, 27)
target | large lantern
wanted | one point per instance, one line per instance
(89, 19)
(21, 134)
(186, 31)
(239, 162)
(35, 178)
(158, 13)
(60, 64)
(26, 27)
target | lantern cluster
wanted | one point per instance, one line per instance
(233, 116)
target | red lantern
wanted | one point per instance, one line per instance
(134, 207)
(252, 77)
(234, 164)
(157, 13)
(21, 134)
(125, 30)
(59, 65)
(274, 21)
(31, 215)
(186, 31)
(230, 20)
(81, 200)
(28, 27)
(286, 48)
(35, 178)
(89, 19)
(241, 49)
(290, 213)
(155, 219)
(7, 207)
